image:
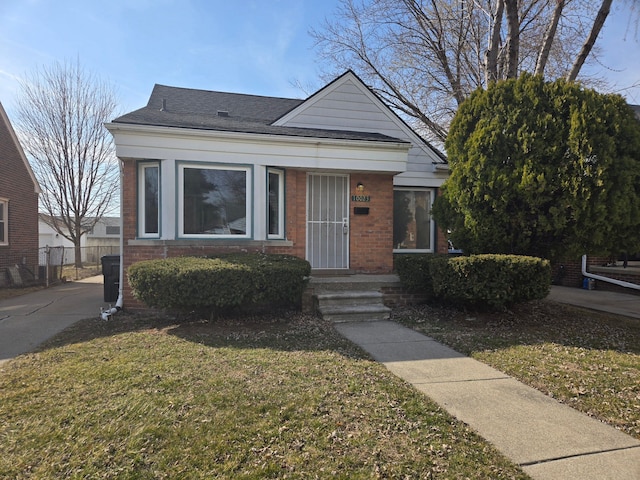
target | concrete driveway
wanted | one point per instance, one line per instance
(28, 320)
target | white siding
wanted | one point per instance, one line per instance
(348, 105)
(161, 143)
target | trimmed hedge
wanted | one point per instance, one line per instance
(229, 281)
(480, 281)
(415, 271)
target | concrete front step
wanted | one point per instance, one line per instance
(355, 313)
(350, 298)
(360, 282)
(352, 306)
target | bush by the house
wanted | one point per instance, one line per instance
(479, 281)
(219, 283)
(415, 271)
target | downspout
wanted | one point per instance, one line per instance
(620, 283)
(106, 314)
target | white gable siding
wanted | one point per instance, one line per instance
(348, 105)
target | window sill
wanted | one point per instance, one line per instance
(142, 242)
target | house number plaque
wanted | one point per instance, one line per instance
(360, 198)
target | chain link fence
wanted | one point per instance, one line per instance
(50, 265)
(59, 262)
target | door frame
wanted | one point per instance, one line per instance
(318, 254)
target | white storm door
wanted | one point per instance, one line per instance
(328, 221)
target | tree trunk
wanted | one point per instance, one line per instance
(491, 59)
(591, 40)
(76, 244)
(78, 255)
(513, 27)
(549, 35)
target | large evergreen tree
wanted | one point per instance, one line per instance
(542, 168)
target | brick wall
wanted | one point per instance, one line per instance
(568, 273)
(371, 235)
(17, 186)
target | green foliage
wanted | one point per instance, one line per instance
(477, 281)
(414, 271)
(242, 280)
(542, 168)
(494, 281)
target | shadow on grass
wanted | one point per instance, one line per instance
(284, 330)
(530, 323)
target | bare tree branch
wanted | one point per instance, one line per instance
(491, 73)
(424, 57)
(61, 116)
(605, 7)
(549, 36)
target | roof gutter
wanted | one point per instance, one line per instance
(395, 144)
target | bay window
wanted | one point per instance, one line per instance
(214, 201)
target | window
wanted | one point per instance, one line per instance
(113, 230)
(412, 224)
(275, 200)
(149, 200)
(214, 201)
(4, 214)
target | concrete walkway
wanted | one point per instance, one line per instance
(626, 304)
(28, 320)
(547, 439)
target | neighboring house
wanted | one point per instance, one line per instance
(105, 233)
(320, 178)
(103, 239)
(19, 191)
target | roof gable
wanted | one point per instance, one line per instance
(4, 119)
(347, 103)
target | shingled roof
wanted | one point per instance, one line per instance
(230, 112)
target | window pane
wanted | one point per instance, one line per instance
(2, 223)
(274, 204)
(411, 219)
(151, 200)
(215, 201)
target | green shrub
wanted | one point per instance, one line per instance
(229, 281)
(491, 281)
(414, 271)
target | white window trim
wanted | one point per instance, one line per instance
(281, 200)
(432, 223)
(214, 166)
(4, 202)
(142, 166)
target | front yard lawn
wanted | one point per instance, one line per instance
(287, 397)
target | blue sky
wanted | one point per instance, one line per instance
(259, 47)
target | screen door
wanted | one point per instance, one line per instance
(328, 221)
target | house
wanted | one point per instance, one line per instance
(337, 178)
(19, 191)
(103, 239)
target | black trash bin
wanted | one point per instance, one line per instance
(111, 273)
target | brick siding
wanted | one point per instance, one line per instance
(17, 186)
